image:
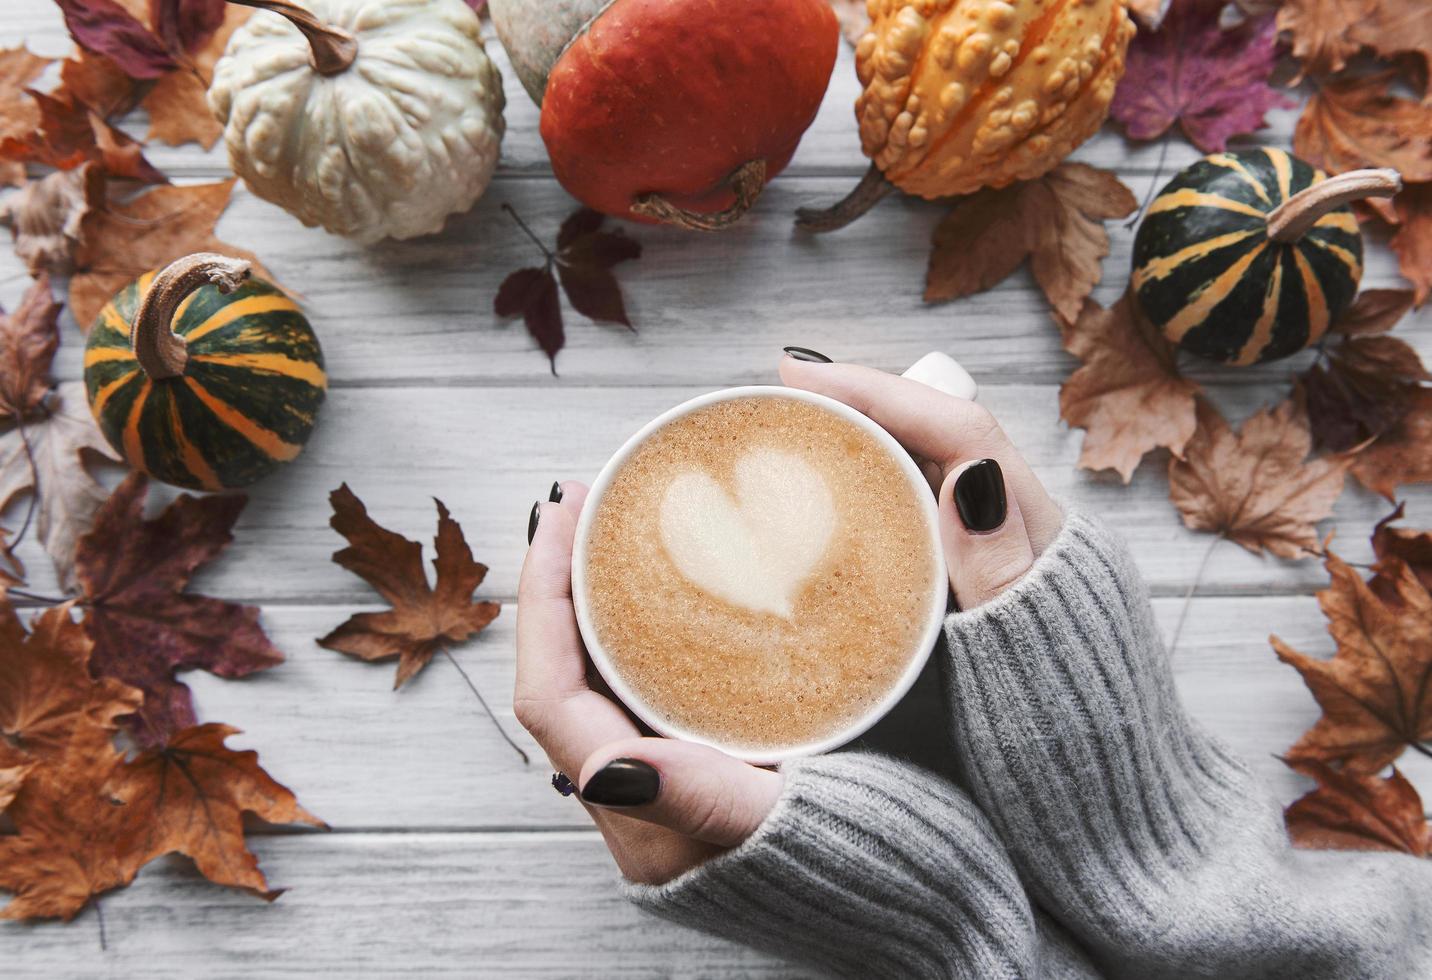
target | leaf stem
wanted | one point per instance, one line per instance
(1153, 184)
(483, 701)
(33, 597)
(1419, 747)
(1188, 596)
(512, 212)
(99, 915)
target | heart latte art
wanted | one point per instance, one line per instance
(757, 549)
(760, 572)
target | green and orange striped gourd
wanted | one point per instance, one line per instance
(202, 376)
(1250, 256)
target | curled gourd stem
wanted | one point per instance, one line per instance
(1293, 218)
(333, 48)
(871, 189)
(161, 352)
(746, 182)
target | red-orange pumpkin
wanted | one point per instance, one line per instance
(670, 110)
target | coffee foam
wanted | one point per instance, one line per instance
(796, 646)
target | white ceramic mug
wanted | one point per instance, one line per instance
(937, 370)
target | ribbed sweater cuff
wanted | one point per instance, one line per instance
(866, 867)
(1070, 733)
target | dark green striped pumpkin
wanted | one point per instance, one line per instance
(1206, 273)
(245, 403)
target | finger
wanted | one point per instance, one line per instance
(691, 789)
(987, 547)
(934, 426)
(551, 696)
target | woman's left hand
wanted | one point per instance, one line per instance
(683, 802)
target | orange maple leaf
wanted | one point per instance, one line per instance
(1376, 690)
(423, 618)
(1127, 395)
(1256, 487)
(1354, 812)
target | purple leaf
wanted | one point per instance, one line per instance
(1213, 82)
(519, 290)
(602, 250)
(104, 27)
(533, 293)
(594, 293)
(579, 224)
(184, 25)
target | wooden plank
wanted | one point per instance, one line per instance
(489, 452)
(367, 758)
(831, 146)
(710, 310)
(385, 905)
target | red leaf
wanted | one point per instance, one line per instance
(104, 27)
(144, 625)
(1191, 71)
(184, 25)
(581, 222)
(71, 133)
(594, 293)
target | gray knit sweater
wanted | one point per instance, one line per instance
(1099, 830)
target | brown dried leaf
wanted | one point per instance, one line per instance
(97, 82)
(57, 442)
(1319, 31)
(1413, 240)
(1056, 222)
(1355, 122)
(178, 103)
(1405, 545)
(1360, 389)
(125, 240)
(1128, 394)
(1376, 690)
(46, 217)
(134, 574)
(1395, 27)
(1257, 486)
(1354, 812)
(18, 113)
(1403, 454)
(1374, 311)
(69, 133)
(423, 618)
(12, 778)
(28, 340)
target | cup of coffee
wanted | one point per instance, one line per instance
(759, 569)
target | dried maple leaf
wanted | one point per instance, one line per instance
(133, 573)
(1360, 389)
(1414, 548)
(1357, 122)
(1056, 222)
(1354, 812)
(178, 104)
(423, 618)
(1127, 395)
(104, 27)
(45, 217)
(1394, 27)
(1376, 690)
(49, 703)
(70, 133)
(1413, 240)
(28, 340)
(1403, 454)
(12, 778)
(18, 113)
(1256, 487)
(190, 797)
(1319, 31)
(99, 83)
(1213, 82)
(583, 262)
(122, 241)
(1374, 311)
(49, 449)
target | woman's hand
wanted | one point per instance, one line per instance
(995, 518)
(663, 805)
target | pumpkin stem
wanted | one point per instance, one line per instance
(161, 352)
(746, 181)
(1296, 216)
(871, 189)
(333, 48)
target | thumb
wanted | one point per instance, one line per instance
(689, 788)
(987, 547)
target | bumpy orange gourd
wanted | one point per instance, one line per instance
(964, 94)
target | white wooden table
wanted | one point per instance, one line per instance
(447, 856)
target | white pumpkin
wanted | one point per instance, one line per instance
(372, 118)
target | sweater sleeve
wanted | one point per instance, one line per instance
(1140, 832)
(871, 867)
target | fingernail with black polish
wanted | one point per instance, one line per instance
(806, 354)
(532, 521)
(556, 495)
(622, 782)
(979, 496)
